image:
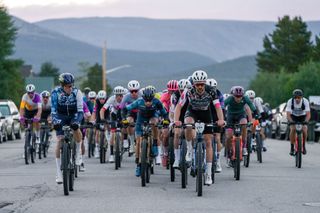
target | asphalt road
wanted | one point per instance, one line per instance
(273, 186)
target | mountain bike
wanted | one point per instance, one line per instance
(118, 143)
(44, 138)
(146, 157)
(103, 144)
(91, 141)
(236, 150)
(30, 145)
(199, 161)
(258, 138)
(68, 165)
(300, 142)
(246, 159)
(183, 165)
(171, 153)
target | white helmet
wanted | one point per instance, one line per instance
(226, 95)
(212, 82)
(102, 94)
(30, 88)
(92, 94)
(133, 85)
(259, 100)
(125, 90)
(250, 94)
(45, 93)
(199, 76)
(118, 90)
(184, 83)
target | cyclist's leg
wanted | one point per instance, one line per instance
(189, 133)
(243, 122)
(176, 141)
(131, 129)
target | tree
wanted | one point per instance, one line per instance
(288, 47)
(316, 50)
(11, 83)
(94, 78)
(49, 70)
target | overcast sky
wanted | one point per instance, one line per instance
(270, 10)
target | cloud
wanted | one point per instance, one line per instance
(26, 3)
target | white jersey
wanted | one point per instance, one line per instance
(112, 104)
(257, 103)
(47, 106)
(297, 109)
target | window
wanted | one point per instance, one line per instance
(4, 109)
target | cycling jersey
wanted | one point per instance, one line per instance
(166, 100)
(238, 108)
(66, 109)
(97, 107)
(175, 99)
(46, 110)
(30, 104)
(148, 112)
(112, 104)
(199, 102)
(62, 103)
(90, 105)
(257, 103)
(297, 109)
(126, 100)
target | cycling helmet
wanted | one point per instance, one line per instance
(190, 80)
(147, 94)
(86, 90)
(212, 82)
(92, 94)
(152, 88)
(45, 93)
(237, 91)
(102, 94)
(125, 90)
(66, 78)
(133, 85)
(258, 99)
(183, 84)
(199, 76)
(172, 85)
(225, 96)
(30, 88)
(297, 93)
(118, 90)
(250, 94)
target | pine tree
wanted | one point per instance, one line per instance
(49, 70)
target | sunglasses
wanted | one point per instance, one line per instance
(92, 98)
(30, 93)
(68, 86)
(133, 91)
(201, 85)
(45, 97)
(119, 95)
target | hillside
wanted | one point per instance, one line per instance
(36, 45)
(218, 39)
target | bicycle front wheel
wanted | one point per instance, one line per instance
(143, 162)
(65, 160)
(237, 160)
(199, 169)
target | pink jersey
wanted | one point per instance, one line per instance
(166, 100)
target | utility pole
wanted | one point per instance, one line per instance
(104, 67)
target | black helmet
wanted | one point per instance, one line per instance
(148, 94)
(86, 90)
(66, 78)
(297, 93)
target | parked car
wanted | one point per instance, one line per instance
(280, 122)
(3, 128)
(11, 113)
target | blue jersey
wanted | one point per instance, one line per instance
(148, 112)
(89, 104)
(64, 104)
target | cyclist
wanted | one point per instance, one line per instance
(172, 87)
(95, 118)
(113, 107)
(217, 131)
(66, 109)
(46, 106)
(88, 98)
(200, 97)
(237, 113)
(183, 84)
(298, 110)
(149, 109)
(259, 114)
(31, 108)
(133, 87)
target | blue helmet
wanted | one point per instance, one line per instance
(66, 78)
(148, 94)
